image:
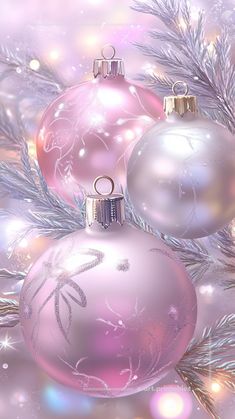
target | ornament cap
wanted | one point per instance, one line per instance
(108, 65)
(105, 208)
(180, 104)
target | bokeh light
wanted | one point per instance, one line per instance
(171, 402)
(61, 400)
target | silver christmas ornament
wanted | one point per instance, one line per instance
(181, 174)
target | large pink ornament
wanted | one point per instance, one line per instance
(108, 311)
(92, 129)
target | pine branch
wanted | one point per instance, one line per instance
(18, 63)
(9, 312)
(17, 276)
(45, 212)
(207, 356)
(188, 56)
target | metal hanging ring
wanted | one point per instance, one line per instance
(108, 56)
(111, 184)
(180, 83)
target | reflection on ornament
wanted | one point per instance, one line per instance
(93, 127)
(181, 174)
(171, 402)
(107, 310)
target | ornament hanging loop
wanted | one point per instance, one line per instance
(182, 84)
(111, 54)
(101, 178)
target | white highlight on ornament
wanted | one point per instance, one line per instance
(132, 90)
(82, 152)
(97, 119)
(109, 97)
(171, 405)
(34, 64)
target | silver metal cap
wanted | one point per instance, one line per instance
(180, 104)
(108, 65)
(105, 208)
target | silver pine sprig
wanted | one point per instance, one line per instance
(187, 55)
(9, 312)
(209, 356)
(16, 61)
(44, 211)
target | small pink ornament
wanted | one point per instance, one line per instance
(92, 129)
(108, 311)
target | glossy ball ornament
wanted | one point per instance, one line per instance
(92, 129)
(181, 174)
(108, 311)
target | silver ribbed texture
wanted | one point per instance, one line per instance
(108, 67)
(105, 209)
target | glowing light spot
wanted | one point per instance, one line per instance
(211, 48)
(215, 387)
(94, 2)
(32, 148)
(206, 290)
(171, 402)
(171, 405)
(15, 226)
(82, 152)
(34, 65)
(182, 24)
(5, 366)
(129, 135)
(23, 243)
(54, 54)
(7, 343)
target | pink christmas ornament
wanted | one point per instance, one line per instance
(108, 310)
(93, 127)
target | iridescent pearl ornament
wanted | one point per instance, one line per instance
(92, 128)
(108, 310)
(181, 174)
